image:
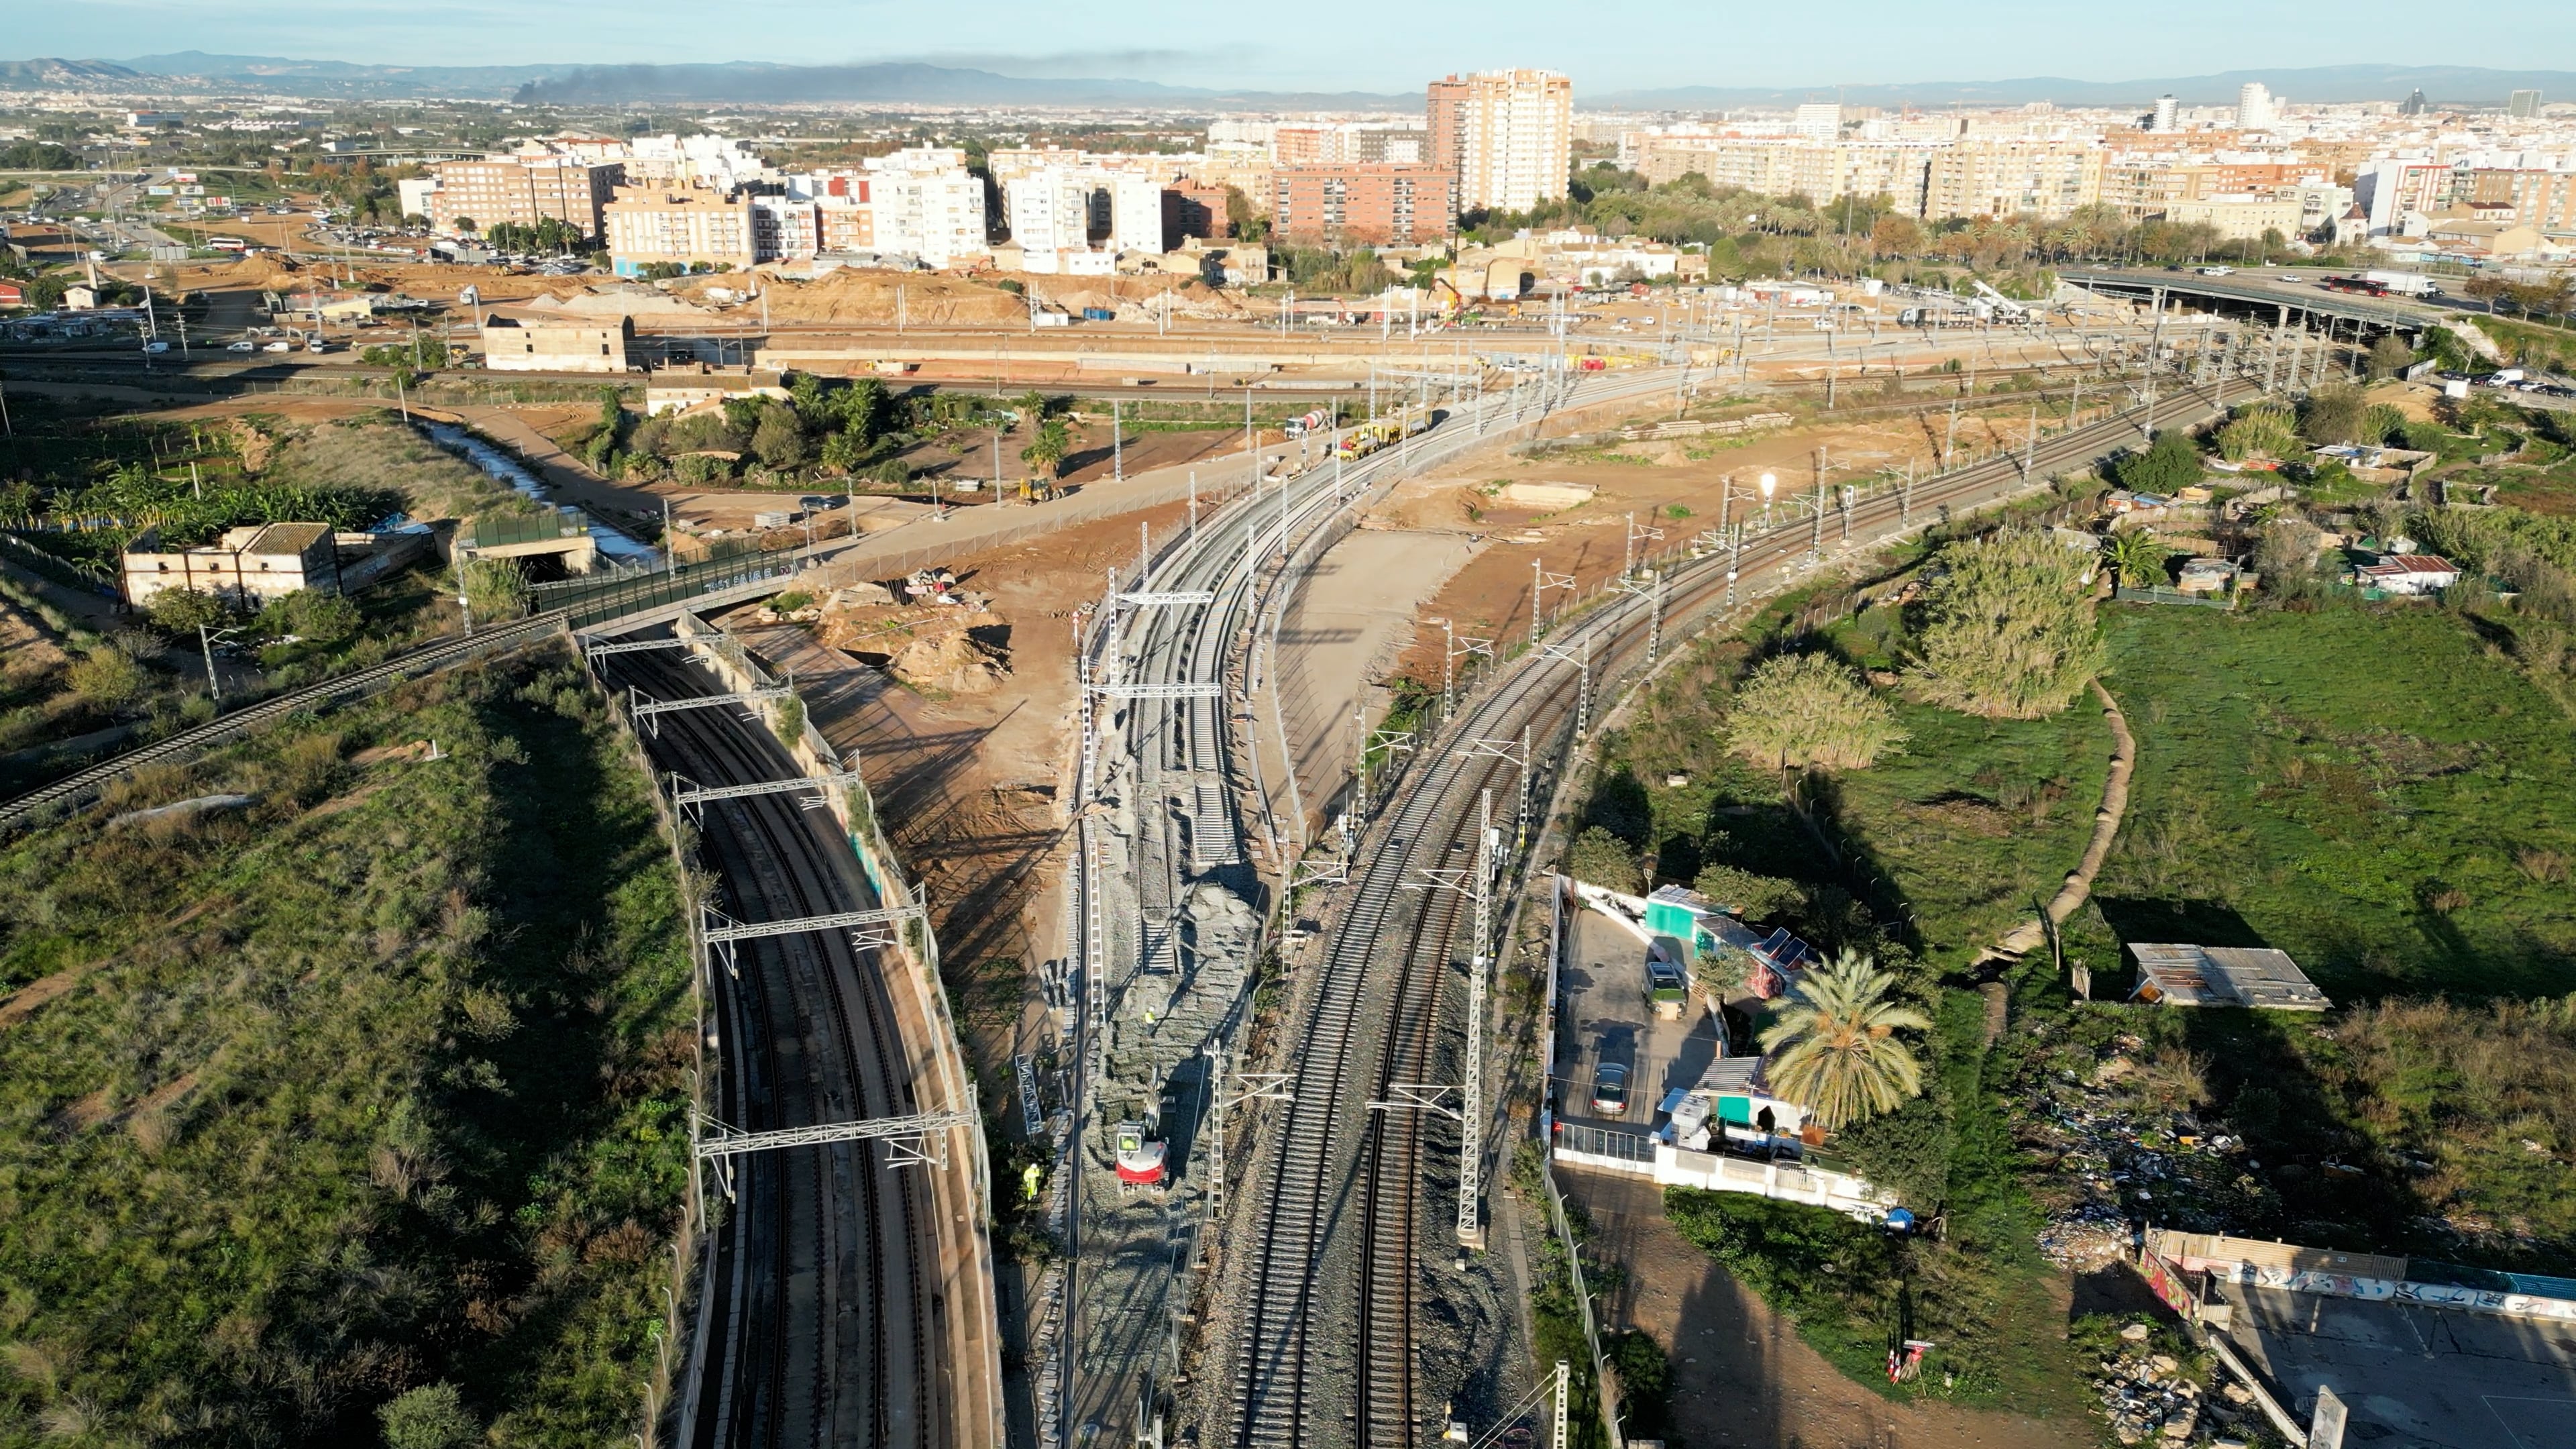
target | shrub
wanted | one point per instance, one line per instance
(2383, 424)
(432, 1416)
(2333, 414)
(2258, 432)
(308, 614)
(2389, 356)
(702, 470)
(2286, 556)
(779, 441)
(182, 611)
(109, 678)
(2169, 465)
(1808, 712)
(495, 590)
(1758, 897)
(2009, 630)
(1600, 858)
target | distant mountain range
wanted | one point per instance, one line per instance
(2458, 85)
(901, 82)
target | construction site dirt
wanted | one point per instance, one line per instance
(1565, 511)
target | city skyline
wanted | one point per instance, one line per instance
(1629, 47)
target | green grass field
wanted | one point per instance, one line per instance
(2369, 790)
(374, 1084)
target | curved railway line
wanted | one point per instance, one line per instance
(819, 1315)
(1374, 1023)
(1180, 747)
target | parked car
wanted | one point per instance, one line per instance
(1610, 1090)
(1665, 982)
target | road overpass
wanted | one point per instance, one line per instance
(2285, 301)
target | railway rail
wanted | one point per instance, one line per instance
(1369, 1015)
(84, 785)
(819, 1312)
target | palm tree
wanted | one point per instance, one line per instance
(1054, 441)
(2137, 556)
(1833, 1047)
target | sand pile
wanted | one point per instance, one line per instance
(623, 299)
(868, 297)
(952, 663)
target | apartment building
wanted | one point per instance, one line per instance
(2399, 192)
(1363, 203)
(2245, 216)
(1782, 166)
(920, 203)
(1506, 135)
(689, 226)
(1191, 209)
(2006, 178)
(523, 188)
(2543, 198)
(1059, 208)
(785, 228)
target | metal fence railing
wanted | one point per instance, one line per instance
(1605, 1142)
(501, 530)
(596, 598)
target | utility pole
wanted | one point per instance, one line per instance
(206, 644)
(1540, 582)
(1117, 445)
(1471, 1141)
(1564, 1382)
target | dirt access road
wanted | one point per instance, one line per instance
(1741, 1377)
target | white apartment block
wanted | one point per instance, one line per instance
(1135, 213)
(2256, 107)
(1818, 121)
(927, 204)
(1512, 140)
(1781, 166)
(1057, 208)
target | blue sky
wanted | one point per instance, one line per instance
(1338, 44)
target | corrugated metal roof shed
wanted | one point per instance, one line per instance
(2186, 975)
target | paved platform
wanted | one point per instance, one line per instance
(2414, 1376)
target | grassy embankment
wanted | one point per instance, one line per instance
(373, 1086)
(2374, 791)
(1939, 848)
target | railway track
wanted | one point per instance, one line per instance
(819, 1312)
(1369, 1016)
(1174, 756)
(83, 786)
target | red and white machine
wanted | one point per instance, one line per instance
(1140, 1158)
